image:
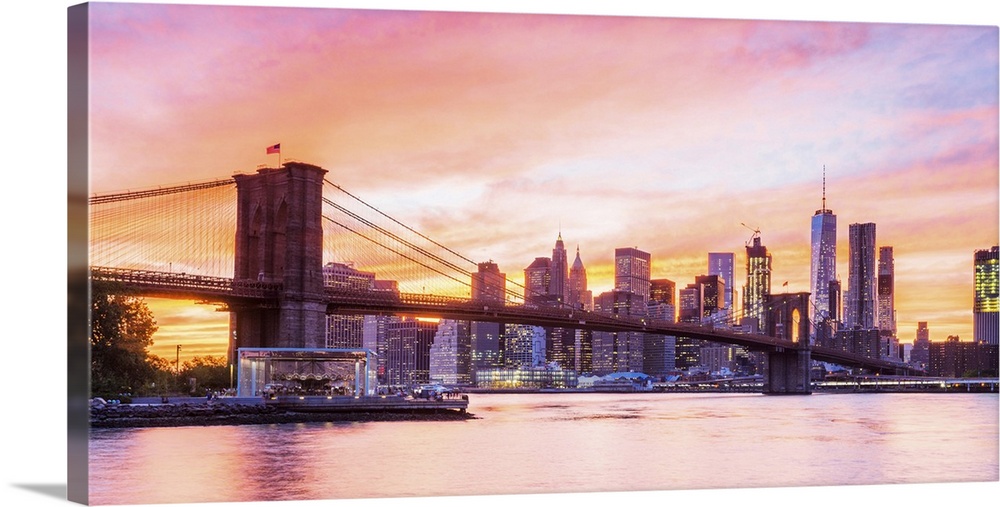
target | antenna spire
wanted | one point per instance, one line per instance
(824, 187)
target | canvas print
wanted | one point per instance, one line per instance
(332, 253)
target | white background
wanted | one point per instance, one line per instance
(33, 329)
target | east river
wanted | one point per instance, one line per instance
(563, 443)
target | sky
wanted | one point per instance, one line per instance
(494, 133)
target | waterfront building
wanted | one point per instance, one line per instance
(717, 357)
(920, 353)
(955, 358)
(986, 296)
(823, 265)
(860, 305)
(559, 276)
(450, 354)
(632, 272)
(527, 377)
(408, 345)
(723, 264)
(524, 346)
(758, 285)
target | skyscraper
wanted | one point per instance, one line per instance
(758, 280)
(488, 285)
(823, 268)
(723, 264)
(860, 304)
(886, 288)
(581, 297)
(986, 303)
(578, 295)
(537, 277)
(632, 271)
(559, 276)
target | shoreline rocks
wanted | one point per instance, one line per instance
(221, 414)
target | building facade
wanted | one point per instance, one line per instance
(823, 261)
(955, 358)
(632, 271)
(723, 264)
(758, 285)
(450, 354)
(489, 285)
(986, 297)
(559, 277)
(920, 353)
(861, 303)
(578, 295)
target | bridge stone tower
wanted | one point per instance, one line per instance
(788, 368)
(279, 239)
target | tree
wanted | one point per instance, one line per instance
(209, 372)
(122, 328)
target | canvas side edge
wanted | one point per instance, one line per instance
(78, 296)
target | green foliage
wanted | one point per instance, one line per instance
(209, 372)
(122, 328)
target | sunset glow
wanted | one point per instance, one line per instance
(494, 133)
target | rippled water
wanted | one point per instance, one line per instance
(572, 442)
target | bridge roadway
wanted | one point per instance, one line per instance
(250, 292)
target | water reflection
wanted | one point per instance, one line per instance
(564, 443)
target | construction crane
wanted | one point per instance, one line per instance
(756, 233)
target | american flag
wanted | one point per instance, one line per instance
(274, 149)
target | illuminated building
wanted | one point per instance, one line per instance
(823, 266)
(524, 346)
(758, 285)
(632, 272)
(860, 308)
(450, 353)
(408, 345)
(526, 378)
(986, 304)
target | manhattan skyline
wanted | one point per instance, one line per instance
(495, 133)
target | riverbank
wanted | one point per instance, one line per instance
(222, 413)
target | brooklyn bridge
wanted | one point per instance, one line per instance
(255, 245)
